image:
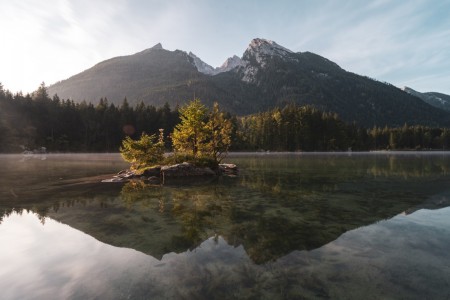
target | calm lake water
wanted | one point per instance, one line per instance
(290, 226)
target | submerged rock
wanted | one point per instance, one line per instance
(115, 179)
(125, 174)
(228, 169)
(122, 176)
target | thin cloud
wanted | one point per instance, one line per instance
(48, 40)
(395, 41)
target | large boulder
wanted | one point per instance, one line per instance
(154, 171)
(186, 170)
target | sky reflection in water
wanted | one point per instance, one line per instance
(238, 238)
(401, 256)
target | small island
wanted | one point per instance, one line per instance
(200, 143)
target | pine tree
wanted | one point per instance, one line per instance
(41, 93)
(218, 129)
(144, 152)
(189, 136)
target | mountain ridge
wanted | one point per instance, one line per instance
(267, 75)
(229, 64)
(435, 99)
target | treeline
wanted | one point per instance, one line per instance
(33, 121)
(304, 128)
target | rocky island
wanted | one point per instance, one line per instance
(200, 142)
(159, 174)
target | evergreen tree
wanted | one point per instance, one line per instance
(41, 93)
(189, 136)
(145, 152)
(218, 129)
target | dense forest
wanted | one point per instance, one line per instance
(36, 120)
(304, 128)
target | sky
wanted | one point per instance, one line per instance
(405, 43)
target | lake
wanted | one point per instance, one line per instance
(290, 226)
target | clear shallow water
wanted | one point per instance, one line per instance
(290, 226)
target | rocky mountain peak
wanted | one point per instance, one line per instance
(157, 47)
(258, 54)
(262, 47)
(259, 51)
(231, 63)
(201, 65)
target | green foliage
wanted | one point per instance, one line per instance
(219, 130)
(34, 121)
(190, 135)
(199, 161)
(304, 128)
(144, 152)
(41, 93)
(294, 128)
(201, 133)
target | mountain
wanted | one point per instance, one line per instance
(134, 76)
(202, 66)
(229, 64)
(267, 75)
(283, 76)
(438, 100)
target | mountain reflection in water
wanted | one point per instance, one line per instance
(289, 225)
(406, 256)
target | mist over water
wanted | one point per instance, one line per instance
(344, 225)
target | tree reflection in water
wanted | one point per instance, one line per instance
(277, 205)
(273, 209)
